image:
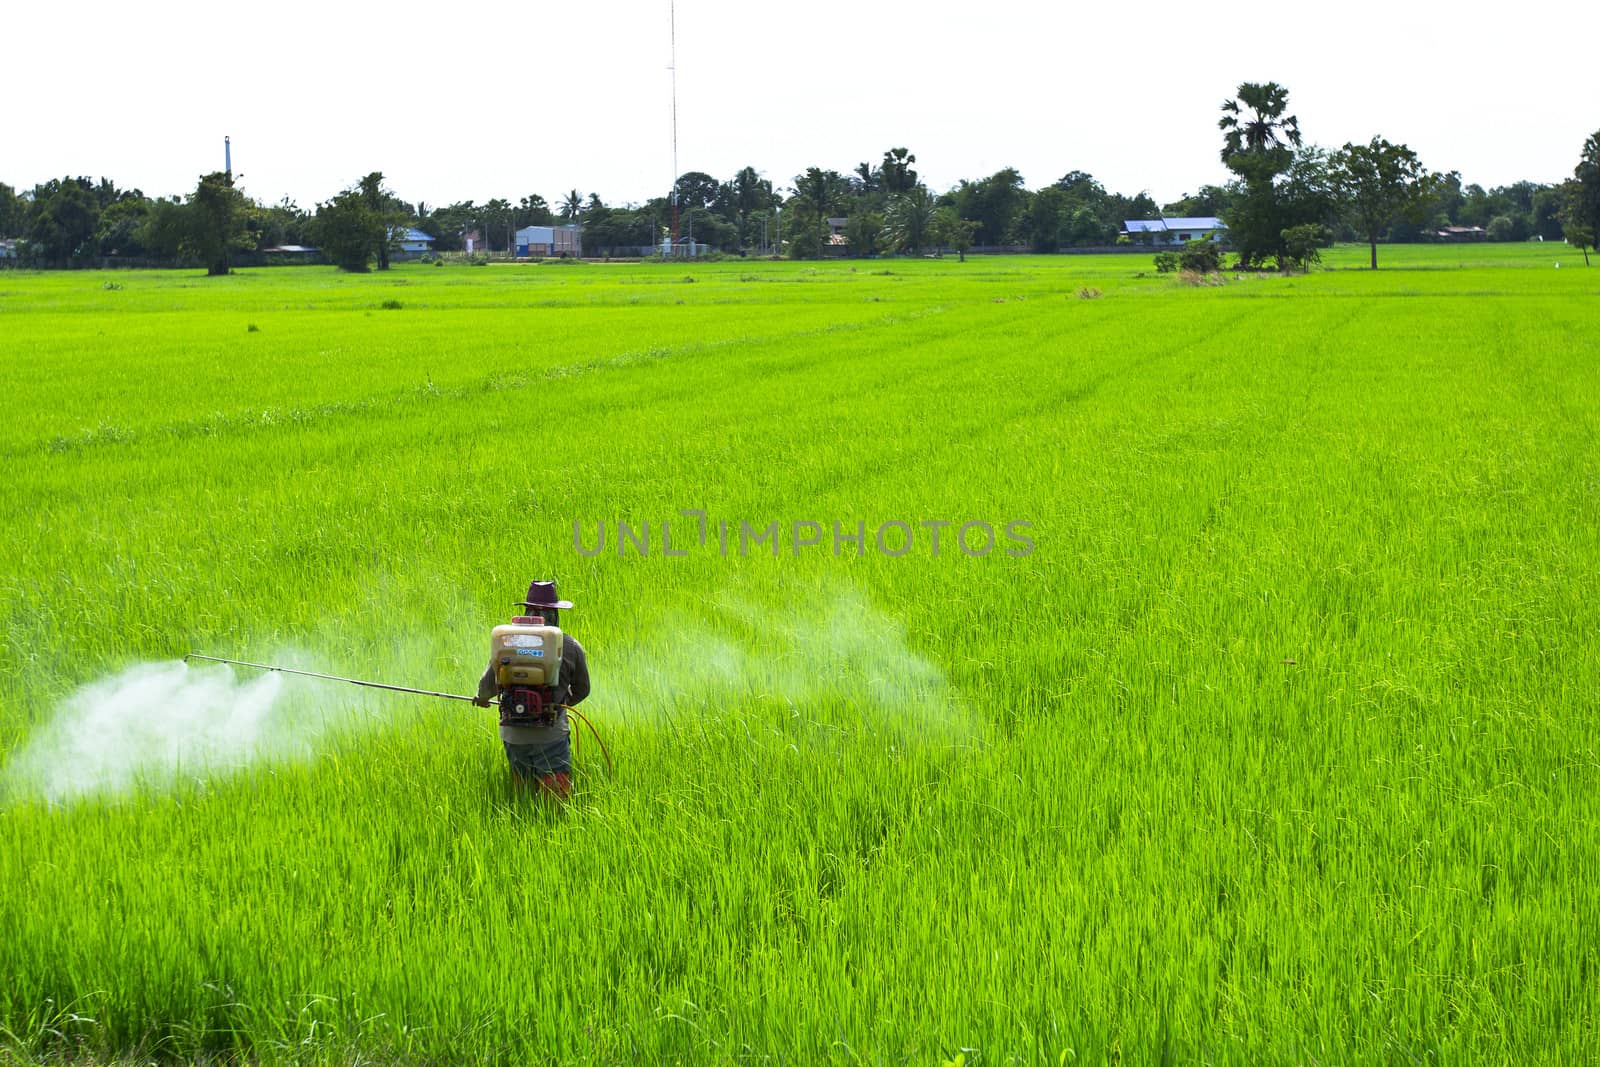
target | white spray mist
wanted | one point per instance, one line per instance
(155, 722)
(836, 648)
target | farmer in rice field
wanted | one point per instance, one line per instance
(533, 717)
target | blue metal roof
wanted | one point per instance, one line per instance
(1162, 225)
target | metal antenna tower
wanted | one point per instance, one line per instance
(672, 38)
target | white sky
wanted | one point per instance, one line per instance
(482, 98)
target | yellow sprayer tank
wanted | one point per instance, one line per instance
(526, 654)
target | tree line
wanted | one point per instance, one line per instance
(1288, 197)
(1285, 199)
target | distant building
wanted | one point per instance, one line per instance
(548, 241)
(412, 243)
(8, 248)
(1461, 233)
(1173, 231)
(292, 254)
(836, 235)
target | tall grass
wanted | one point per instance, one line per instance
(1280, 746)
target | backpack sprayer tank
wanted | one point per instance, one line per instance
(526, 655)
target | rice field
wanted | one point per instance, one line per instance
(1261, 729)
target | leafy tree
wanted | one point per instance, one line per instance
(750, 197)
(696, 190)
(1081, 186)
(865, 233)
(611, 230)
(1309, 191)
(1302, 245)
(283, 223)
(448, 225)
(1114, 209)
(1582, 217)
(387, 213)
(1047, 215)
(121, 224)
(497, 220)
(534, 210)
(1089, 215)
(1381, 183)
(1259, 144)
(1447, 198)
(1086, 227)
(13, 212)
(1502, 228)
(996, 203)
(1210, 202)
(818, 191)
(65, 216)
(218, 217)
(706, 227)
(347, 231)
(1306, 193)
(1547, 213)
(1057, 219)
(909, 217)
(164, 229)
(953, 231)
(1576, 231)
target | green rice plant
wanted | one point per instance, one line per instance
(1277, 747)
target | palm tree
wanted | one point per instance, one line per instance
(898, 177)
(819, 190)
(1259, 144)
(908, 218)
(1264, 132)
(751, 194)
(572, 206)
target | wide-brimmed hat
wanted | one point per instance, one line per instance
(543, 595)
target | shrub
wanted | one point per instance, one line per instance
(1166, 262)
(1201, 257)
(1302, 245)
(1502, 228)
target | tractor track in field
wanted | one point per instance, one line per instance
(108, 435)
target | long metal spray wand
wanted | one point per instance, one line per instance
(329, 677)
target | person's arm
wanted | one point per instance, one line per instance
(574, 660)
(488, 688)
